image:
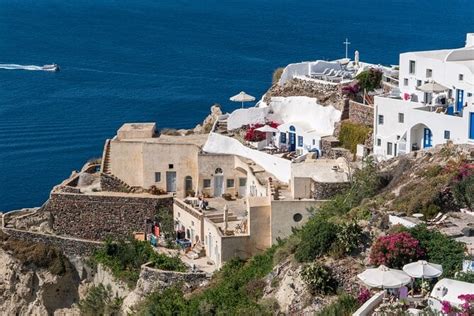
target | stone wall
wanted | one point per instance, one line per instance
(361, 114)
(152, 280)
(70, 246)
(97, 216)
(327, 143)
(326, 190)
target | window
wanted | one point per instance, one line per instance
(447, 134)
(389, 148)
(283, 138)
(314, 141)
(170, 166)
(379, 142)
(230, 183)
(207, 183)
(398, 137)
(429, 73)
(418, 83)
(461, 77)
(300, 141)
(297, 217)
(412, 67)
(157, 176)
(192, 223)
(401, 118)
(242, 182)
(469, 94)
(405, 82)
(380, 119)
(218, 171)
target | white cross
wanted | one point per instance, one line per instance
(347, 43)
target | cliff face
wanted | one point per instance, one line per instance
(27, 290)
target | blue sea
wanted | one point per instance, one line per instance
(168, 61)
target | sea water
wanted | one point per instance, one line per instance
(168, 61)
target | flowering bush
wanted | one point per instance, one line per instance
(465, 309)
(395, 250)
(464, 186)
(255, 136)
(364, 295)
(351, 89)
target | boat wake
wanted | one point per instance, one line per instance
(52, 67)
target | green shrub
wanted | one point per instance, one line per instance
(99, 301)
(349, 237)
(352, 134)
(370, 79)
(440, 249)
(169, 302)
(287, 248)
(317, 237)
(277, 75)
(465, 277)
(464, 192)
(125, 258)
(319, 279)
(345, 305)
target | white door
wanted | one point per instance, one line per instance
(218, 185)
(171, 181)
(242, 187)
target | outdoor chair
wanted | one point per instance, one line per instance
(319, 74)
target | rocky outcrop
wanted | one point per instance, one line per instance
(325, 93)
(209, 121)
(31, 291)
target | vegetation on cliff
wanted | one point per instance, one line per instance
(100, 301)
(125, 258)
(36, 255)
(352, 134)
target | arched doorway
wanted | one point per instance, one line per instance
(218, 182)
(421, 137)
(292, 138)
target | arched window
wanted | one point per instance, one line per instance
(188, 183)
(292, 128)
(218, 171)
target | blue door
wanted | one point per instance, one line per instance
(427, 136)
(459, 100)
(471, 125)
(292, 142)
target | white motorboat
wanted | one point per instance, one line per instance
(52, 67)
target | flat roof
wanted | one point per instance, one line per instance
(137, 127)
(193, 139)
(320, 170)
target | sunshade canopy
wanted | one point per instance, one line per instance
(423, 269)
(242, 97)
(385, 278)
(267, 129)
(432, 87)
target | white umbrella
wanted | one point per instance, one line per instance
(267, 129)
(242, 97)
(423, 269)
(432, 87)
(385, 278)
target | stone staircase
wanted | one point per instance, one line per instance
(221, 126)
(196, 252)
(111, 183)
(105, 166)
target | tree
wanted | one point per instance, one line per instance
(370, 79)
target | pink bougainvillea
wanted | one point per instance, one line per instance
(252, 135)
(364, 295)
(395, 250)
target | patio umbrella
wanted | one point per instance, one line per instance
(432, 87)
(385, 278)
(267, 129)
(242, 97)
(423, 269)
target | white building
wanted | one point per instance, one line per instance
(418, 118)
